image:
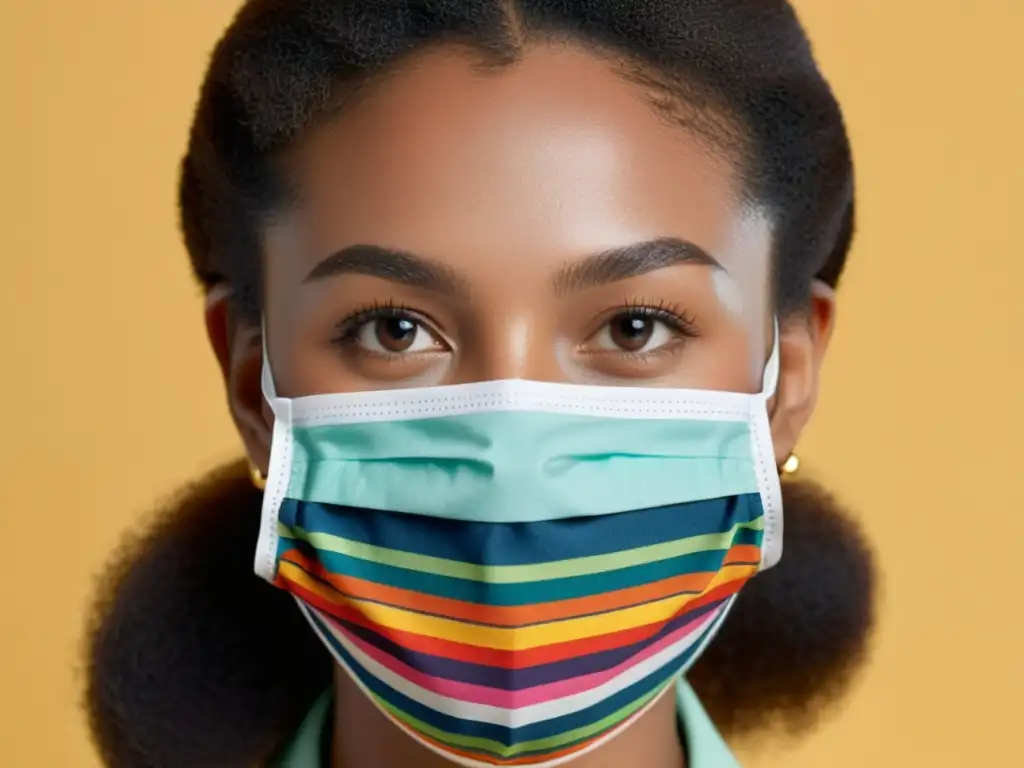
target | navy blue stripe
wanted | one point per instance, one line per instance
(527, 593)
(511, 736)
(522, 543)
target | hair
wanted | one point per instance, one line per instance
(193, 661)
(285, 66)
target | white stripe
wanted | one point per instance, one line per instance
(520, 716)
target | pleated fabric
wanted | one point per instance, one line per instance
(517, 643)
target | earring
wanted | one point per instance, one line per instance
(791, 465)
(257, 476)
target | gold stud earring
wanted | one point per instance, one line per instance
(257, 476)
(791, 465)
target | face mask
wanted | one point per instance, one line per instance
(515, 571)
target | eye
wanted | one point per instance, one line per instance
(640, 330)
(392, 332)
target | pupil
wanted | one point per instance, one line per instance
(634, 327)
(398, 328)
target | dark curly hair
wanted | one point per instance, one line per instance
(191, 660)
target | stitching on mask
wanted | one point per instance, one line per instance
(448, 404)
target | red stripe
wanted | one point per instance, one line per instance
(493, 657)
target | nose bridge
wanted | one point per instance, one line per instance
(517, 340)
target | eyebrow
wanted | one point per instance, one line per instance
(609, 266)
(633, 260)
(390, 264)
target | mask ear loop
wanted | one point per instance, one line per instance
(767, 471)
(770, 377)
(277, 479)
(771, 380)
(266, 375)
(256, 475)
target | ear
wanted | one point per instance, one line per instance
(238, 347)
(803, 341)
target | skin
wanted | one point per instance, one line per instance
(505, 193)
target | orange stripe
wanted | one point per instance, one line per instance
(498, 658)
(743, 553)
(509, 616)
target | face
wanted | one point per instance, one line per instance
(540, 223)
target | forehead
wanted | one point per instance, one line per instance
(554, 155)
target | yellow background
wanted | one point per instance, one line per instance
(109, 397)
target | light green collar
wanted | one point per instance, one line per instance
(704, 745)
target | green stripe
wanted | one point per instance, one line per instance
(525, 593)
(516, 574)
(539, 745)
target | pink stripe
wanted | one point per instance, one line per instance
(495, 697)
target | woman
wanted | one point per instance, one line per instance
(521, 307)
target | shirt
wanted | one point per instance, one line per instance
(704, 746)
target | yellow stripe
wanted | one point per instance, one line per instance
(517, 638)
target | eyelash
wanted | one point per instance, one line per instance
(671, 315)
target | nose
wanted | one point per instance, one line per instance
(513, 345)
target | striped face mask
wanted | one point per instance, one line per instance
(515, 571)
